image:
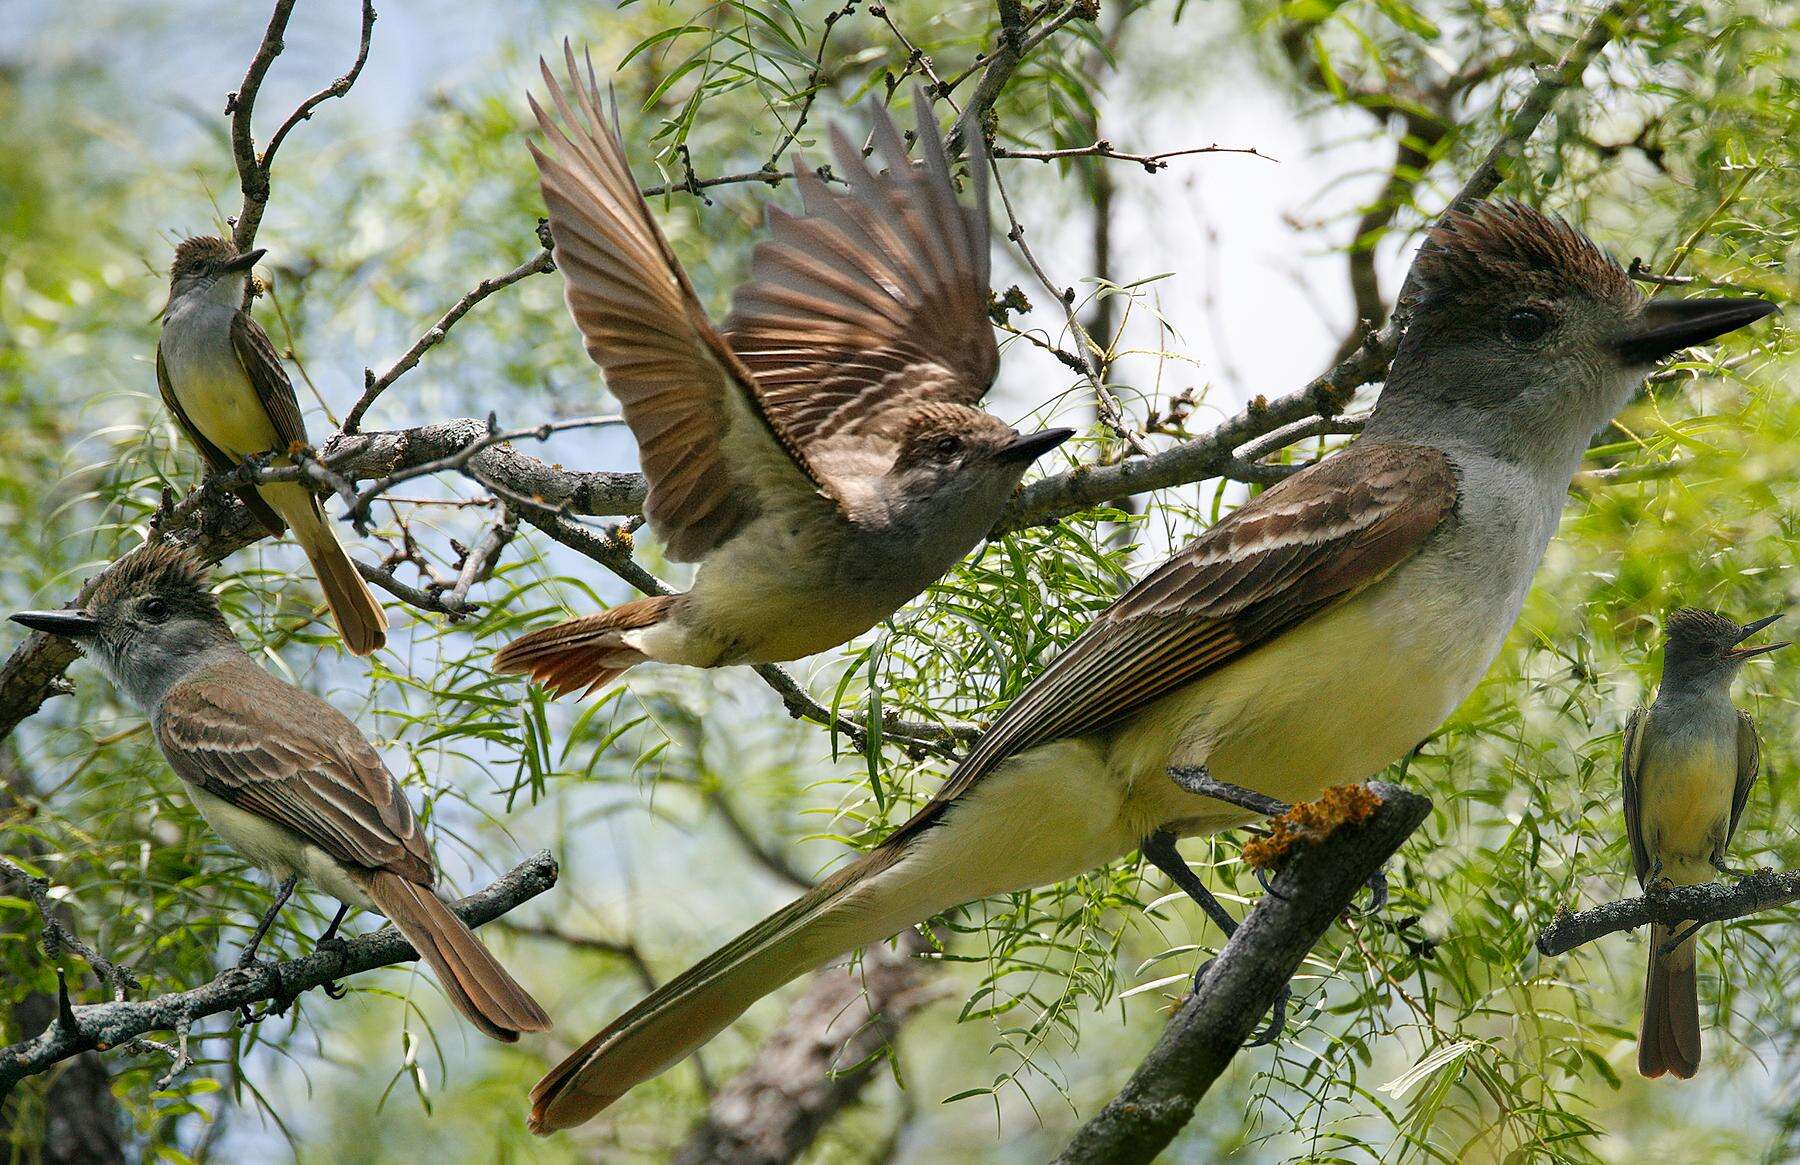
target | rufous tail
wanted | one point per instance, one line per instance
(360, 620)
(474, 980)
(1670, 1038)
(585, 654)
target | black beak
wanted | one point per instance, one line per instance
(1034, 445)
(245, 261)
(1749, 630)
(68, 624)
(1669, 325)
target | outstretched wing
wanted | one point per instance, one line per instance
(875, 298)
(683, 392)
(1309, 542)
(293, 760)
(1631, 763)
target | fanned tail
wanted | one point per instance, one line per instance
(585, 654)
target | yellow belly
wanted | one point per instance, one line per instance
(227, 412)
(1684, 803)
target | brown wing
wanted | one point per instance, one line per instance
(290, 758)
(216, 459)
(681, 389)
(1307, 543)
(1631, 763)
(1749, 751)
(872, 299)
(269, 378)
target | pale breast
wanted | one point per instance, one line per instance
(1685, 788)
(210, 384)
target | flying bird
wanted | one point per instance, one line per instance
(823, 459)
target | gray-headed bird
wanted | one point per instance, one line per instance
(823, 460)
(1313, 636)
(225, 385)
(1689, 763)
(280, 775)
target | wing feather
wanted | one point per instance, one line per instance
(1307, 543)
(1631, 765)
(683, 392)
(308, 769)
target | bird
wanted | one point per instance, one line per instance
(823, 459)
(222, 381)
(1689, 762)
(281, 776)
(1314, 635)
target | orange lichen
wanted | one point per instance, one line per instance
(1311, 822)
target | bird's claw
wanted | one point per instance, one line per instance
(1270, 1031)
(1378, 892)
(339, 946)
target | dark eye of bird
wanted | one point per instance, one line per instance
(155, 609)
(1527, 324)
(947, 447)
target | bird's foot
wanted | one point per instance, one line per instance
(1658, 887)
(1730, 871)
(1378, 892)
(334, 944)
(1277, 1011)
(1197, 780)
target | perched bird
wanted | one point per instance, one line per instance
(1690, 760)
(824, 460)
(283, 777)
(1311, 637)
(227, 389)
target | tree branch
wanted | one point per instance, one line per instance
(103, 1026)
(1317, 885)
(1712, 902)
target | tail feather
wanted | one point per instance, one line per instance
(476, 983)
(672, 1022)
(1670, 1038)
(360, 619)
(584, 654)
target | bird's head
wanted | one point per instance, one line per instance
(1707, 644)
(144, 620)
(1526, 337)
(209, 265)
(956, 460)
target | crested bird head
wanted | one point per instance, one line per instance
(956, 465)
(143, 620)
(203, 262)
(1526, 338)
(1706, 644)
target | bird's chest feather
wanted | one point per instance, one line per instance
(1347, 692)
(1686, 787)
(210, 384)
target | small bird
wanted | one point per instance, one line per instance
(283, 777)
(1690, 761)
(227, 389)
(1313, 636)
(824, 460)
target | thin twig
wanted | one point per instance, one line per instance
(1712, 902)
(1104, 149)
(374, 386)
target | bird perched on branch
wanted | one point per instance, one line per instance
(283, 777)
(1312, 637)
(1689, 763)
(824, 459)
(220, 377)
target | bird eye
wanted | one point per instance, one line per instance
(1527, 324)
(154, 609)
(945, 448)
